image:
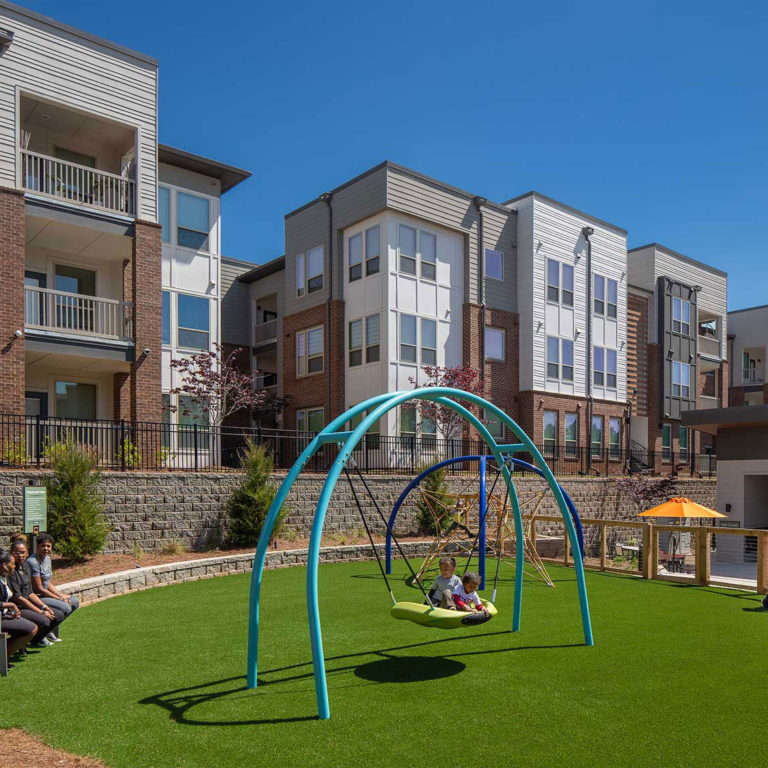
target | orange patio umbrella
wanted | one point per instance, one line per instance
(680, 507)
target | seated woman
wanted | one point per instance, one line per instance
(40, 572)
(21, 630)
(32, 607)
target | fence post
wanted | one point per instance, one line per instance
(122, 445)
(762, 564)
(194, 432)
(39, 439)
(702, 556)
(647, 549)
(654, 553)
(603, 543)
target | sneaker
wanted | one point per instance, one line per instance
(42, 643)
(51, 638)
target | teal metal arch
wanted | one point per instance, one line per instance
(348, 440)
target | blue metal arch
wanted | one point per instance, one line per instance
(457, 460)
(371, 411)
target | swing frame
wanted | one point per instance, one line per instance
(333, 433)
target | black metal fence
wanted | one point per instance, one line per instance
(30, 441)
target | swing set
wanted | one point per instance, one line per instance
(370, 412)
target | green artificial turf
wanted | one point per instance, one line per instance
(677, 677)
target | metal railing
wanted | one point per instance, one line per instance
(265, 332)
(266, 381)
(709, 346)
(78, 184)
(751, 376)
(51, 310)
(123, 445)
(707, 401)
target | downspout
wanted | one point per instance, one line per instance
(588, 232)
(327, 198)
(479, 202)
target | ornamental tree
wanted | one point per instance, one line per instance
(448, 423)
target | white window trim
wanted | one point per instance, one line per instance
(213, 218)
(400, 343)
(417, 254)
(305, 332)
(175, 322)
(305, 413)
(306, 277)
(493, 277)
(560, 266)
(364, 340)
(503, 333)
(560, 364)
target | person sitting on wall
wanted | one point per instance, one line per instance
(21, 631)
(32, 607)
(40, 572)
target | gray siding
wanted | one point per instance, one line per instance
(500, 234)
(303, 231)
(235, 304)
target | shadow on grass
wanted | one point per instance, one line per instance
(390, 668)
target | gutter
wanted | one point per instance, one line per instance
(588, 232)
(327, 198)
(479, 202)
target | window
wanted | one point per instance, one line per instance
(190, 414)
(596, 438)
(612, 305)
(193, 322)
(494, 425)
(164, 207)
(557, 350)
(372, 436)
(407, 421)
(428, 341)
(372, 339)
(708, 328)
(193, 221)
(605, 367)
(494, 343)
(311, 420)
(309, 271)
(69, 156)
(614, 438)
(611, 368)
(166, 430)
(553, 280)
(372, 250)
(355, 258)
(428, 248)
(550, 433)
(683, 443)
(75, 400)
(428, 433)
(666, 442)
(408, 338)
(407, 261)
(571, 434)
(309, 351)
(681, 316)
(494, 264)
(559, 283)
(166, 315)
(355, 343)
(74, 280)
(681, 379)
(598, 288)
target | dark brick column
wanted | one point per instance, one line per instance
(146, 295)
(336, 357)
(12, 375)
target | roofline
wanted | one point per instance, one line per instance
(77, 32)
(570, 208)
(747, 309)
(233, 260)
(677, 255)
(263, 270)
(229, 175)
(410, 172)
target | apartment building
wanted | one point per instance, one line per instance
(109, 242)
(747, 345)
(393, 271)
(678, 352)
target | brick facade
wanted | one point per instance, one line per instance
(336, 358)
(12, 374)
(637, 352)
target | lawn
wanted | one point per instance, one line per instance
(677, 677)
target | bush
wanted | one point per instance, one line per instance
(248, 506)
(75, 515)
(434, 499)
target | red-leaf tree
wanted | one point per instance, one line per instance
(448, 423)
(215, 384)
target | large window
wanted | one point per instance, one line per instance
(310, 420)
(494, 343)
(408, 421)
(605, 363)
(681, 379)
(681, 316)
(571, 434)
(364, 334)
(355, 343)
(364, 247)
(75, 400)
(612, 299)
(372, 339)
(191, 413)
(355, 257)
(550, 433)
(559, 283)
(605, 300)
(494, 264)
(407, 260)
(683, 444)
(596, 438)
(415, 244)
(666, 442)
(193, 322)
(428, 249)
(372, 250)
(164, 207)
(309, 271)
(614, 438)
(166, 315)
(559, 358)
(193, 222)
(428, 341)
(408, 341)
(309, 351)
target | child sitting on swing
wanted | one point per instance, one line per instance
(465, 596)
(444, 585)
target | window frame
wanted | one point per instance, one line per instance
(166, 317)
(598, 279)
(666, 442)
(501, 264)
(563, 269)
(422, 347)
(180, 327)
(302, 343)
(493, 329)
(432, 265)
(683, 328)
(611, 283)
(358, 350)
(572, 446)
(614, 449)
(411, 259)
(366, 343)
(549, 445)
(357, 264)
(302, 272)
(304, 414)
(678, 365)
(494, 425)
(177, 227)
(596, 448)
(684, 451)
(400, 343)
(561, 366)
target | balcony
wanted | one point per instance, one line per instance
(265, 333)
(751, 376)
(266, 381)
(706, 402)
(77, 184)
(73, 313)
(709, 346)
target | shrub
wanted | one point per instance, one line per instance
(75, 515)
(16, 452)
(249, 504)
(129, 453)
(434, 499)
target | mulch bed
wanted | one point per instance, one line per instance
(23, 749)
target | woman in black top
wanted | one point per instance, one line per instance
(32, 607)
(21, 630)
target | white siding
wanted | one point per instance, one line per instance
(750, 331)
(525, 290)
(54, 65)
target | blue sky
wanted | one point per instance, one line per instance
(652, 116)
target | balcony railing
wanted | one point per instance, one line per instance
(77, 184)
(751, 376)
(266, 381)
(50, 310)
(709, 346)
(707, 401)
(263, 333)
